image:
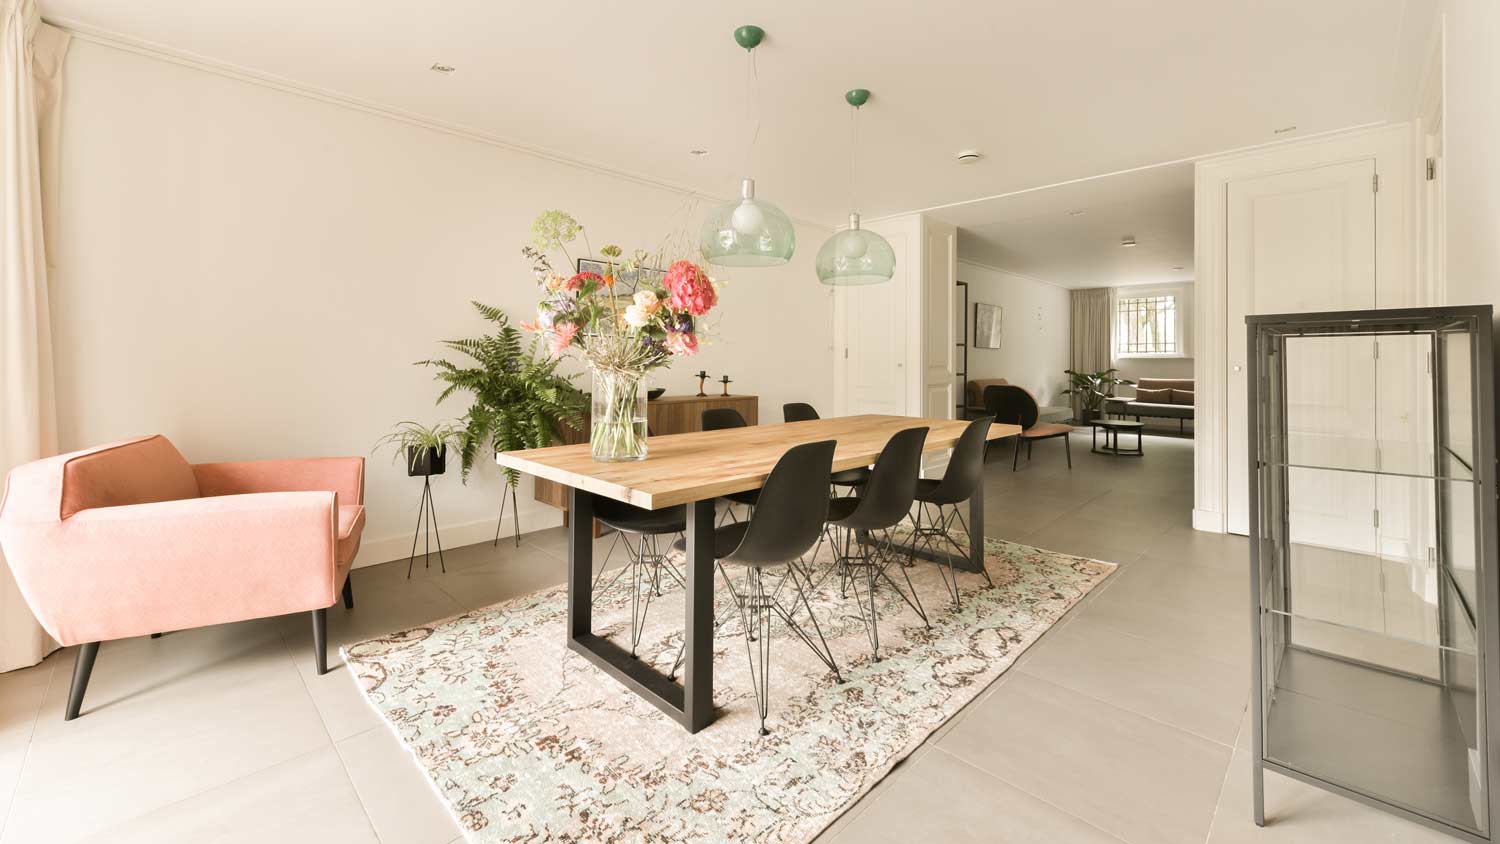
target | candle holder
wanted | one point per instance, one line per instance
(726, 382)
(702, 377)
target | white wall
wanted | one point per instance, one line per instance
(252, 272)
(1034, 345)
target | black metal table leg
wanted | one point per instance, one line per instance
(698, 620)
(691, 703)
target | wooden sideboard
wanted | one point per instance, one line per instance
(666, 415)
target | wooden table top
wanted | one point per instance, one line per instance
(682, 468)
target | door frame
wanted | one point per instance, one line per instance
(1395, 273)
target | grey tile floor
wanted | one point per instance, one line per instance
(1126, 722)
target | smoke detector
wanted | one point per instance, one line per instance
(1127, 241)
(968, 156)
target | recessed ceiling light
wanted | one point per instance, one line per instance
(1127, 241)
(445, 69)
(968, 156)
(1078, 212)
(1285, 129)
(697, 153)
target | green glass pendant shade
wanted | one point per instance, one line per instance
(748, 232)
(855, 256)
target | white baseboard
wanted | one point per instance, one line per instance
(374, 551)
(1211, 521)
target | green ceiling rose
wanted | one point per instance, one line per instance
(749, 36)
(855, 256)
(748, 232)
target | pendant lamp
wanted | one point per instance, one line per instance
(855, 256)
(748, 232)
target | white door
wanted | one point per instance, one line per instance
(874, 363)
(1304, 240)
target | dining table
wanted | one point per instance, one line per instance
(694, 470)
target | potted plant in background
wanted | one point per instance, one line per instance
(623, 323)
(426, 449)
(426, 452)
(1092, 388)
(518, 398)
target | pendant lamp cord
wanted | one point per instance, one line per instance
(752, 110)
(853, 152)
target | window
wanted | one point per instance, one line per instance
(1147, 325)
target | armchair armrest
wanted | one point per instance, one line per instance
(344, 475)
(114, 572)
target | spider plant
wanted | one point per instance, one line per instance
(420, 443)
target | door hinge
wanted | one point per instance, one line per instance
(1375, 349)
(846, 353)
(1431, 555)
(1376, 512)
(1375, 183)
(1431, 169)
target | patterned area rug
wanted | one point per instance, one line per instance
(528, 742)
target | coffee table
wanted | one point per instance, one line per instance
(1112, 429)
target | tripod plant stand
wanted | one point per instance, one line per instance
(515, 515)
(430, 462)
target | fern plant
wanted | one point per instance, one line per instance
(519, 399)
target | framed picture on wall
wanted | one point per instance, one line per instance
(987, 325)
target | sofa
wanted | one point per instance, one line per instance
(130, 539)
(1166, 398)
(974, 402)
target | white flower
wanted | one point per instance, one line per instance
(636, 316)
(647, 299)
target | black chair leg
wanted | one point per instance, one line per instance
(349, 591)
(1068, 449)
(1015, 456)
(156, 635)
(320, 639)
(83, 666)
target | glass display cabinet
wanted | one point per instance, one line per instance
(1373, 559)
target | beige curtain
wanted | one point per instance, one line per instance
(1091, 350)
(31, 55)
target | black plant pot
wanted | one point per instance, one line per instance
(1090, 415)
(421, 462)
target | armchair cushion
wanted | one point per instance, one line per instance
(132, 472)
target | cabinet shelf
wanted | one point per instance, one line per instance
(1388, 473)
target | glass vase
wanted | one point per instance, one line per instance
(617, 430)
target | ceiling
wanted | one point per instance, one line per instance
(1048, 91)
(1041, 234)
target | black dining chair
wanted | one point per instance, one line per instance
(884, 502)
(720, 419)
(803, 412)
(963, 476)
(647, 565)
(1017, 406)
(784, 527)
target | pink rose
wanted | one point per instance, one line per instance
(689, 289)
(682, 343)
(562, 337)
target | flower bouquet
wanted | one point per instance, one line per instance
(623, 322)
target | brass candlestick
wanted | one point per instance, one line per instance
(702, 376)
(726, 382)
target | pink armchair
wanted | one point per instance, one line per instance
(130, 539)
